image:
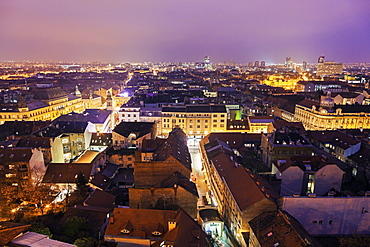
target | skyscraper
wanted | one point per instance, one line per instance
(256, 64)
(288, 62)
(321, 59)
(263, 63)
(304, 67)
(207, 63)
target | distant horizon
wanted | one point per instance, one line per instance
(241, 31)
(169, 62)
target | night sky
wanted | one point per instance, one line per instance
(178, 30)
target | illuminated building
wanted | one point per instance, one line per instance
(329, 68)
(284, 142)
(326, 115)
(194, 120)
(288, 62)
(48, 104)
(285, 81)
(304, 66)
(263, 63)
(237, 203)
(256, 64)
(321, 59)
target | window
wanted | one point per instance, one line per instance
(215, 126)
(214, 115)
(190, 126)
(198, 126)
(222, 115)
(206, 121)
(215, 120)
(222, 125)
(222, 120)
(206, 126)
(198, 121)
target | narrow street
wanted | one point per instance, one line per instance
(203, 189)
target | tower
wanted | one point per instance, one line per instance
(77, 92)
(321, 59)
(288, 62)
(207, 63)
(109, 101)
(304, 66)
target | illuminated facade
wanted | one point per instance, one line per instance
(194, 120)
(329, 68)
(48, 104)
(316, 117)
(286, 82)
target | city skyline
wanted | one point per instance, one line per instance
(165, 31)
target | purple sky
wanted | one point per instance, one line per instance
(179, 30)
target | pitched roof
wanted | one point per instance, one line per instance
(37, 240)
(34, 142)
(96, 116)
(139, 128)
(66, 172)
(147, 219)
(279, 228)
(71, 126)
(252, 190)
(100, 199)
(180, 180)
(186, 233)
(101, 139)
(175, 146)
(308, 103)
(8, 155)
(9, 230)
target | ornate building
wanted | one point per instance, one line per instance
(326, 115)
(48, 104)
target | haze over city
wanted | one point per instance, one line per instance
(173, 31)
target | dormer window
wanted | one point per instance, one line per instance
(127, 228)
(156, 233)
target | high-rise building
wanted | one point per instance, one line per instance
(288, 62)
(321, 59)
(207, 63)
(250, 64)
(304, 67)
(256, 64)
(263, 63)
(207, 59)
(329, 68)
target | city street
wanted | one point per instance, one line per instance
(203, 189)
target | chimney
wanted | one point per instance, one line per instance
(111, 219)
(143, 233)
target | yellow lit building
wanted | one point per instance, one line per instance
(286, 82)
(48, 104)
(194, 120)
(316, 116)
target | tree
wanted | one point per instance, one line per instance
(40, 228)
(76, 227)
(355, 241)
(86, 242)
